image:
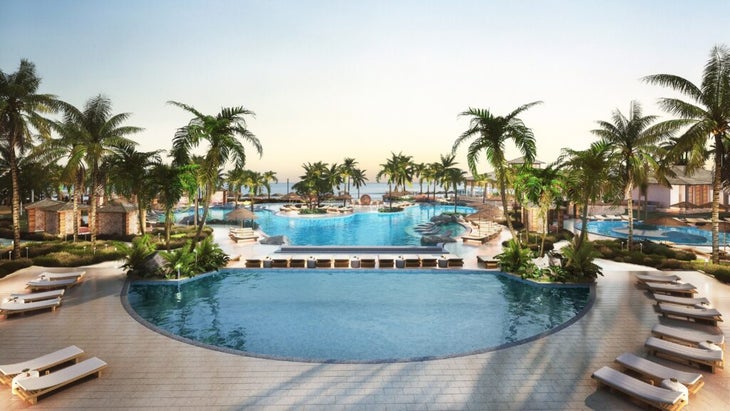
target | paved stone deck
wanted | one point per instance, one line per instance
(150, 371)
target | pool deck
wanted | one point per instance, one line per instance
(150, 371)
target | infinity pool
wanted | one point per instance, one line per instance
(360, 228)
(679, 234)
(356, 315)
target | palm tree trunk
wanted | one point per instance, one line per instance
(716, 187)
(92, 208)
(168, 227)
(503, 193)
(206, 205)
(76, 199)
(141, 215)
(630, 206)
(15, 198)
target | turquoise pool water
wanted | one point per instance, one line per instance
(356, 315)
(679, 235)
(360, 228)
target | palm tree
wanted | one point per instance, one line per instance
(588, 178)
(490, 134)
(93, 134)
(235, 178)
(254, 181)
(269, 177)
(21, 109)
(222, 133)
(348, 167)
(444, 172)
(543, 187)
(358, 179)
(633, 142)
(706, 118)
(418, 172)
(132, 177)
(170, 182)
(315, 184)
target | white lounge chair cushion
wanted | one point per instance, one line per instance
(45, 295)
(20, 306)
(63, 376)
(653, 369)
(636, 388)
(692, 353)
(689, 311)
(43, 362)
(689, 335)
(37, 283)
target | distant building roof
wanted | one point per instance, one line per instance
(521, 160)
(117, 208)
(700, 176)
(48, 204)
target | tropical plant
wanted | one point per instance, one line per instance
(269, 177)
(543, 187)
(93, 134)
(132, 177)
(633, 141)
(234, 178)
(579, 259)
(347, 170)
(489, 134)
(358, 179)
(222, 133)
(210, 257)
(21, 113)
(170, 183)
(179, 262)
(706, 119)
(137, 254)
(315, 184)
(514, 258)
(588, 178)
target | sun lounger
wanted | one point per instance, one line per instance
(40, 364)
(689, 301)
(297, 261)
(480, 238)
(31, 297)
(657, 372)
(341, 261)
(61, 276)
(279, 261)
(683, 289)
(367, 262)
(454, 260)
(17, 307)
(428, 261)
(323, 261)
(698, 357)
(686, 336)
(30, 389)
(254, 262)
(638, 390)
(411, 261)
(38, 284)
(386, 261)
(657, 278)
(705, 315)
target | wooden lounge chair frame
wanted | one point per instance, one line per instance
(640, 391)
(686, 336)
(31, 388)
(41, 364)
(20, 307)
(684, 289)
(688, 301)
(45, 295)
(699, 315)
(696, 357)
(656, 373)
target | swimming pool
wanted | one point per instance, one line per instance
(356, 315)
(359, 228)
(679, 234)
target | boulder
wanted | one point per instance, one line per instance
(444, 219)
(275, 240)
(436, 239)
(153, 264)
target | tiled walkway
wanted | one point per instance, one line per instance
(148, 371)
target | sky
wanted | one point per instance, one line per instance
(362, 79)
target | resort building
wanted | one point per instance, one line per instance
(56, 218)
(687, 191)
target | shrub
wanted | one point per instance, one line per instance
(579, 261)
(210, 256)
(670, 264)
(514, 258)
(11, 266)
(142, 248)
